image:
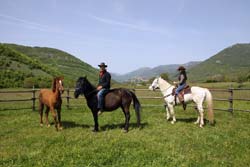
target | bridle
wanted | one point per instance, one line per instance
(80, 89)
(164, 89)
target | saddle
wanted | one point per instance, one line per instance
(186, 90)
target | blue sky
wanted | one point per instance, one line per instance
(128, 34)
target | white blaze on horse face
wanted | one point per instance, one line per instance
(61, 86)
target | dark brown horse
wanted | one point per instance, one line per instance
(52, 100)
(114, 99)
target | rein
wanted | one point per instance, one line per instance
(91, 92)
(167, 89)
(167, 95)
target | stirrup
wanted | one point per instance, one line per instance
(99, 112)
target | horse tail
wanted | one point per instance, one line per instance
(137, 107)
(209, 100)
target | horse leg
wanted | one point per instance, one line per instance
(200, 119)
(54, 116)
(96, 121)
(127, 118)
(41, 106)
(59, 118)
(167, 112)
(201, 112)
(171, 108)
(47, 115)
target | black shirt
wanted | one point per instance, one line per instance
(104, 80)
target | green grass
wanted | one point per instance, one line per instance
(157, 143)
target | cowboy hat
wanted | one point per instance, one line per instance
(181, 68)
(102, 65)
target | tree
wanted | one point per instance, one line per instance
(29, 82)
(165, 76)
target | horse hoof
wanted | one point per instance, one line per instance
(48, 125)
(41, 124)
(94, 130)
(172, 122)
(60, 128)
(196, 123)
(201, 126)
(125, 131)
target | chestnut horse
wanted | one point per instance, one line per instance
(114, 99)
(52, 100)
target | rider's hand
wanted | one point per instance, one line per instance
(99, 87)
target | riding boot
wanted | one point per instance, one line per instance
(181, 98)
(184, 105)
(100, 106)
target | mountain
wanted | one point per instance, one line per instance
(27, 66)
(229, 64)
(147, 73)
(20, 63)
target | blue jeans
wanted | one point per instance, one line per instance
(180, 88)
(100, 98)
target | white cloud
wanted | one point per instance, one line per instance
(140, 26)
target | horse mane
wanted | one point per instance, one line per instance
(163, 80)
(54, 85)
(88, 84)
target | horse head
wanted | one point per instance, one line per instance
(82, 86)
(58, 84)
(155, 84)
(79, 87)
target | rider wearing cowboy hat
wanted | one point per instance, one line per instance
(181, 83)
(103, 86)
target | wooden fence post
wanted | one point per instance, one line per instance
(230, 109)
(68, 98)
(33, 98)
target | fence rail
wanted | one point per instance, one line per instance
(230, 99)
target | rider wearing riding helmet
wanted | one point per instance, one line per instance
(181, 84)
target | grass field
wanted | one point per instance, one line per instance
(156, 143)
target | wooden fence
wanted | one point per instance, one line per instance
(230, 98)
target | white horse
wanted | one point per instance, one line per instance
(197, 95)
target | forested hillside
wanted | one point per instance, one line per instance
(24, 66)
(231, 64)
